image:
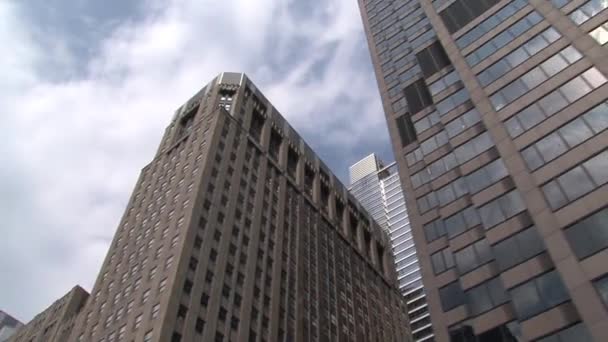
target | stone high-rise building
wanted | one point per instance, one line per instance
(237, 231)
(54, 324)
(497, 114)
(8, 325)
(378, 189)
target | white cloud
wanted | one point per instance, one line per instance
(73, 148)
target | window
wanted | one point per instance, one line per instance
(137, 322)
(600, 34)
(518, 56)
(434, 142)
(155, 310)
(567, 137)
(486, 296)
(442, 260)
(501, 209)
(537, 76)
(554, 102)
(461, 12)
(427, 122)
(473, 148)
(577, 332)
(406, 129)
(435, 170)
(200, 325)
(434, 230)
(452, 191)
(487, 25)
(486, 176)
(417, 96)
(518, 248)
(589, 235)
(451, 296)
(577, 181)
(148, 336)
(444, 82)
(473, 256)
(538, 295)
(462, 122)
(503, 38)
(452, 101)
(588, 10)
(145, 296)
(432, 59)
(461, 221)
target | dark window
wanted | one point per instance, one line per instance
(292, 162)
(602, 288)
(407, 133)
(486, 296)
(442, 260)
(538, 295)
(451, 296)
(434, 230)
(518, 248)
(473, 256)
(257, 123)
(417, 96)
(510, 332)
(200, 325)
(177, 337)
(577, 332)
(462, 12)
(274, 147)
(432, 59)
(590, 235)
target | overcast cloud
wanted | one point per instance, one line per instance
(87, 88)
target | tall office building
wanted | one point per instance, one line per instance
(8, 325)
(236, 231)
(497, 114)
(54, 324)
(378, 189)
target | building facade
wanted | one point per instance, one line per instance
(497, 114)
(378, 189)
(236, 231)
(8, 325)
(54, 324)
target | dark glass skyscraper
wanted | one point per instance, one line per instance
(497, 114)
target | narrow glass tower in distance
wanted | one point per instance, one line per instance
(378, 189)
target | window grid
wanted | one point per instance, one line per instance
(503, 38)
(555, 101)
(577, 182)
(567, 137)
(487, 25)
(518, 56)
(535, 77)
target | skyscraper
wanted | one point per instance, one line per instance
(497, 114)
(236, 231)
(378, 189)
(54, 324)
(8, 326)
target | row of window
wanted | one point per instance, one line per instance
(555, 101)
(567, 137)
(462, 12)
(444, 82)
(529, 299)
(577, 332)
(577, 182)
(508, 253)
(535, 77)
(501, 209)
(494, 211)
(589, 235)
(487, 25)
(600, 34)
(456, 99)
(503, 38)
(587, 11)
(461, 155)
(518, 56)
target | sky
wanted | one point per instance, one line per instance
(88, 87)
